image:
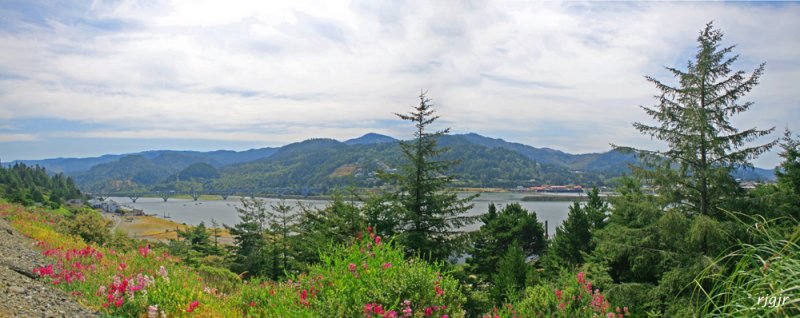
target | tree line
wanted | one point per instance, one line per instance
(27, 185)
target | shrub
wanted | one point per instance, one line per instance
(575, 298)
(90, 226)
(369, 278)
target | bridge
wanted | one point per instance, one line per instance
(196, 194)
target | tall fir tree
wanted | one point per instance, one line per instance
(694, 120)
(249, 252)
(573, 237)
(282, 222)
(432, 213)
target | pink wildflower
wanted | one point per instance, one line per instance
(192, 306)
(152, 311)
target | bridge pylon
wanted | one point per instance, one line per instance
(134, 197)
(164, 195)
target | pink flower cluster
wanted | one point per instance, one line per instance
(143, 251)
(375, 308)
(64, 273)
(85, 253)
(123, 287)
(596, 301)
(192, 306)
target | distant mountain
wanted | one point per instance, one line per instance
(218, 158)
(755, 174)
(611, 163)
(327, 163)
(370, 138)
(69, 165)
(129, 173)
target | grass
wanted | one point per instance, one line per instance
(764, 276)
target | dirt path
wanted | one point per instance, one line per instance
(20, 294)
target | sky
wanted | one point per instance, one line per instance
(86, 78)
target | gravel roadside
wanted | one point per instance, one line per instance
(23, 296)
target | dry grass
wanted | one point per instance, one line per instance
(157, 229)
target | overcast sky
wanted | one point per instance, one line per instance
(85, 78)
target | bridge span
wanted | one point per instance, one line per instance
(195, 195)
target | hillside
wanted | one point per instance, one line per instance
(24, 296)
(323, 164)
(74, 166)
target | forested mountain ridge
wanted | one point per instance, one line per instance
(324, 164)
(73, 166)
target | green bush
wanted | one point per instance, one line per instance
(90, 226)
(368, 278)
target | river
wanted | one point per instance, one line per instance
(224, 211)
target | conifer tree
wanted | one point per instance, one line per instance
(573, 237)
(694, 120)
(432, 213)
(512, 225)
(509, 281)
(788, 172)
(249, 253)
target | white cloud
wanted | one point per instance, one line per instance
(4, 137)
(243, 69)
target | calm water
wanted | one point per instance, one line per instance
(224, 211)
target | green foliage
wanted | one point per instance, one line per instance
(194, 244)
(352, 278)
(596, 209)
(249, 253)
(32, 185)
(499, 231)
(338, 222)
(431, 212)
(694, 120)
(511, 275)
(90, 226)
(571, 296)
(282, 222)
(761, 279)
(221, 279)
(573, 238)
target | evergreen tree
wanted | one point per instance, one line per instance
(28, 185)
(432, 213)
(788, 172)
(509, 281)
(249, 252)
(573, 237)
(694, 121)
(512, 225)
(281, 223)
(338, 222)
(596, 209)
